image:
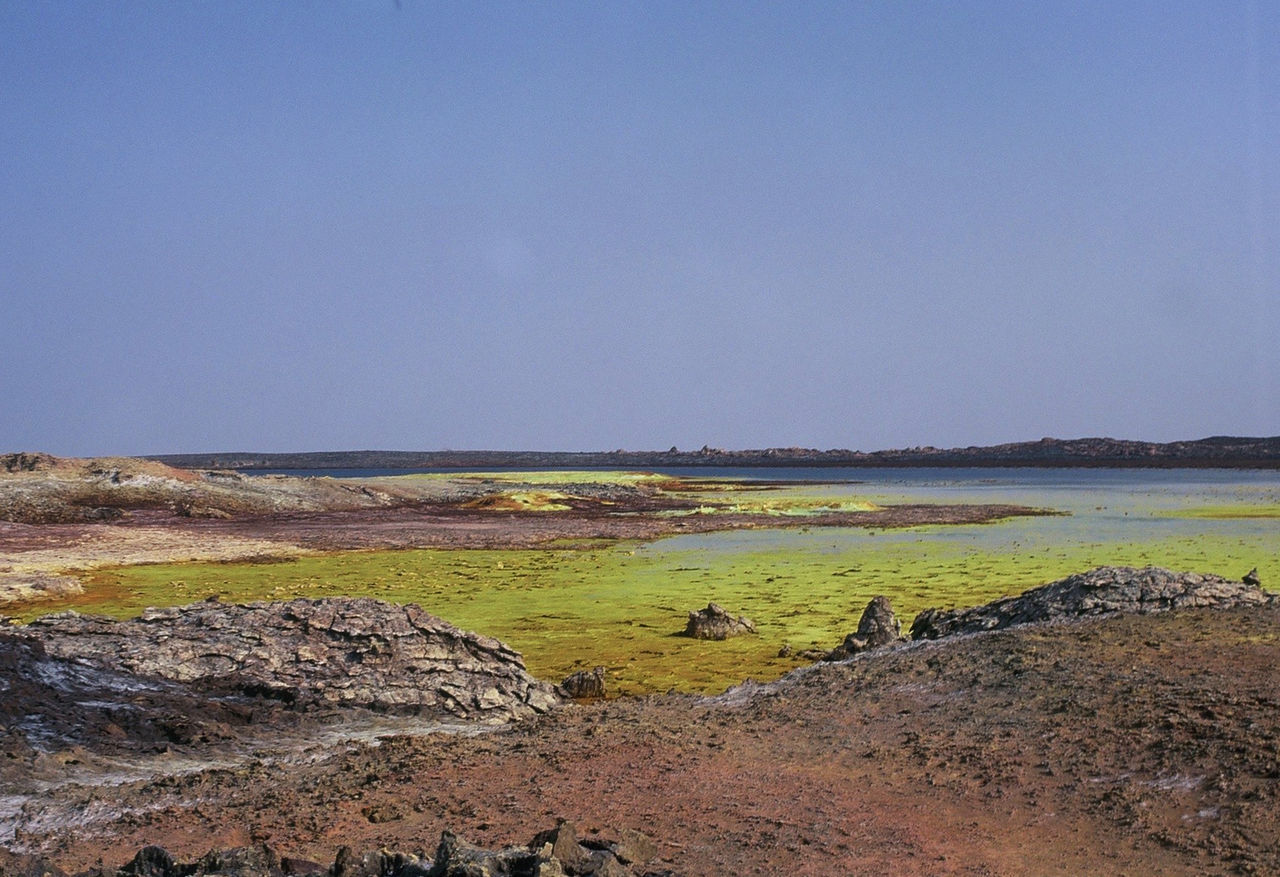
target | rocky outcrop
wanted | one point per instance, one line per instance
(1101, 591)
(553, 853)
(715, 622)
(585, 684)
(877, 627)
(331, 652)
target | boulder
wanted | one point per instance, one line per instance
(1101, 591)
(1251, 578)
(342, 652)
(878, 627)
(716, 623)
(585, 684)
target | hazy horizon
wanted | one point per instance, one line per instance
(658, 450)
(582, 226)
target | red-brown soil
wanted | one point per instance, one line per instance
(1142, 745)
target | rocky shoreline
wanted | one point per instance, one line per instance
(223, 685)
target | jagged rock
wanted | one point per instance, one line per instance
(553, 853)
(1251, 578)
(584, 684)
(715, 622)
(336, 651)
(877, 627)
(258, 861)
(457, 858)
(1098, 592)
(562, 843)
(634, 847)
(151, 862)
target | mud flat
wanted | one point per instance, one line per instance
(60, 518)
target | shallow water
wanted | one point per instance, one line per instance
(618, 605)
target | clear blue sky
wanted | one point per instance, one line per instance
(303, 226)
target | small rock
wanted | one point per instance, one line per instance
(584, 684)
(716, 623)
(1251, 578)
(877, 627)
(634, 847)
(563, 843)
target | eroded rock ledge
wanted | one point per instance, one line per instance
(1101, 591)
(343, 652)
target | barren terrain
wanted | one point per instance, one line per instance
(1113, 744)
(1120, 745)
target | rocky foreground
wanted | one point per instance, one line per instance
(1079, 728)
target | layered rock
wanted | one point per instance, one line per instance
(1101, 591)
(715, 622)
(877, 627)
(338, 651)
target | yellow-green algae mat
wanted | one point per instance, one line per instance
(620, 605)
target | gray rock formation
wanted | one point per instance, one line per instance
(715, 622)
(585, 684)
(1101, 591)
(877, 627)
(338, 651)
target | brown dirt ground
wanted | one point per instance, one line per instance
(1127, 745)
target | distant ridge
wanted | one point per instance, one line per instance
(1232, 452)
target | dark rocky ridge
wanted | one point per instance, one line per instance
(1213, 452)
(343, 652)
(557, 852)
(1103, 591)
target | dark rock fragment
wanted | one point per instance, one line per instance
(634, 847)
(716, 623)
(1251, 578)
(585, 684)
(562, 843)
(152, 862)
(457, 858)
(877, 627)
(256, 861)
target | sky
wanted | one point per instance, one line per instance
(280, 226)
